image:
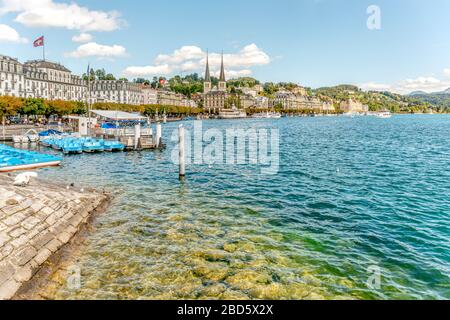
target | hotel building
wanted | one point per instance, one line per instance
(39, 79)
(116, 91)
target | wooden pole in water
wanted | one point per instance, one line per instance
(158, 135)
(137, 136)
(181, 152)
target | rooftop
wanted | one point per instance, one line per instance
(118, 115)
(46, 64)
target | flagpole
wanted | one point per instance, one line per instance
(43, 50)
(89, 99)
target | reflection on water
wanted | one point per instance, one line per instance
(350, 194)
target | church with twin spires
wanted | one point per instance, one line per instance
(214, 98)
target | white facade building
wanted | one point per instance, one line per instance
(150, 95)
(12, 80)
(53, 81)
(291, 101)
(117, 91)
(39, 79)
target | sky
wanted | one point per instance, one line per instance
(396, 45)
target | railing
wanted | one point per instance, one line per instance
(124, 132)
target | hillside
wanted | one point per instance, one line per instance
(383, 100)
(440, 100)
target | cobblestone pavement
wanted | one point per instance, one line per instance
(35, 221)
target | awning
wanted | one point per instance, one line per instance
(119, 115)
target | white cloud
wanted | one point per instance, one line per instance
(447, 72)
(235, 73)
(425, 84)
(82, 38)
(181, 55)
(8, 34)
(193, 59)
(47, 13)
(93, 49)
(372, 86)
(148, 71)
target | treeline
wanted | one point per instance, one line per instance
(31, 106)
(148, 109)
(10, 106)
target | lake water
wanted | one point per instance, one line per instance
(356, 200)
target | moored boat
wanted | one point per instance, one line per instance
(12, 159)
(383, 115)
(232, 113)
(267, 115)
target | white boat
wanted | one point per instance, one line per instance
(350, 114)
(232, 113)
(267, 115)
(30, 136)
(30, 166)
(383, 115)
(17, 139)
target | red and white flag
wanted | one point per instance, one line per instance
(39, 42)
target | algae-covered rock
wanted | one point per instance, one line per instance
(211, 271)
(248, 279)
(213, 291)
(233, 295)
(229, 247)
(271, 291)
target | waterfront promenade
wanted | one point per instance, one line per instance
(35, 222)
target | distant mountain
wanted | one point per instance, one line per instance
(417, 93)
(423, 93)
(445, 91)
(436, 99)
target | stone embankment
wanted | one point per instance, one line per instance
(35, 222)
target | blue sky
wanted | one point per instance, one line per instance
(311, 42)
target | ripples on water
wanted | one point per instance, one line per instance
(350, 193)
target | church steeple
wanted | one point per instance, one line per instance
(207, 82)
(222, 81)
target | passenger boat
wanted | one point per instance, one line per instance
(267, 115)
(383, 115)
(232, 113)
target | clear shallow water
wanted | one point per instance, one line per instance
(350, 194)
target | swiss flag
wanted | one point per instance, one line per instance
(39, 42)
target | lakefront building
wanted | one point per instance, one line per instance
(215, 98)
(352, 105)
(291, 101)
(39, 79)
(52, 81)
(116, 91)
(150, 95)
(12, 79)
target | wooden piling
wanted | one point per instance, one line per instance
(137, 135)
(182, 171)
(158, 135)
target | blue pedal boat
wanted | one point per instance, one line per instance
(12, 159)
(113, 146)
(92, 145)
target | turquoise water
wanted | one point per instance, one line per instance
(351, 193)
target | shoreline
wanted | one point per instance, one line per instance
(38, 224)
(35, 288)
